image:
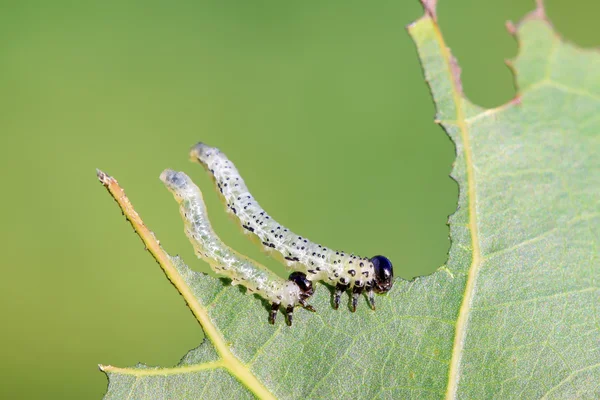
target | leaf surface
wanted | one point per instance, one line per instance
(514, 313)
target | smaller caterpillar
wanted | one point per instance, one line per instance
(226, 261)
(344, 270)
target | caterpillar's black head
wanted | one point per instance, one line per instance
(384, 274)
(303, 283)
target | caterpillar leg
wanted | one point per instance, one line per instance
(289, 313)
(273, 313)
(307, 306)
(371, 298)
(339, 289)
(356, 292)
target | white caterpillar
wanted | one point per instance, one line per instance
(226, 261)
(344, 270)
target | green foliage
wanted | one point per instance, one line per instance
(514, 313)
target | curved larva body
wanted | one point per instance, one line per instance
(317, 262)
(224, 260)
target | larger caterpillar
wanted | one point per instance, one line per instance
(226, 261)
(345, 271)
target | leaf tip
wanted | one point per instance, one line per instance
(430, 8)
(539, 13)
(511, 28)
(103, 177)
(540, 10)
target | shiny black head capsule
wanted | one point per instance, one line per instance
(384, 274)
(303, 283)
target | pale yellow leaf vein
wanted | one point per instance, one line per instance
(465, 308)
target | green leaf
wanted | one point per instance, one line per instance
(514, 313)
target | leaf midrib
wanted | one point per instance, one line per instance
(465, 307)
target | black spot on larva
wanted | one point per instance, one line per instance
(279, 297)
(336, 275)
(366, 273)
(302, 248)
(352, 272)
(248, 228)
(292, 258)
(293, 243)
(335, 262)
(350, 262)
(362, 264)
(272, 245)
(313, 253)
(343, 281)
(312, 271)
(265, 243)
(272, 231)
(318, 268)
(305, 241)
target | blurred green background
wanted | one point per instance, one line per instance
(321, 104)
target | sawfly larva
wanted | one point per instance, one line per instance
(345, 271)
(226, 261)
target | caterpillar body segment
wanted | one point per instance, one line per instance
(257, 279)
(345, 271)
